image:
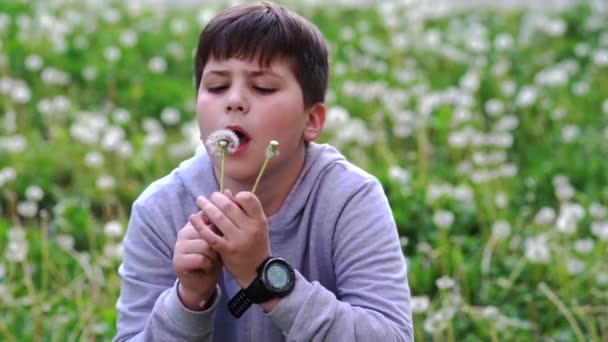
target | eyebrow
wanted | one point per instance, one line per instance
(254, 73)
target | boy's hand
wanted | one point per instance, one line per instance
(243, 243)
(196, 265)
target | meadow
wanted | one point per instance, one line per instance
(488, 130)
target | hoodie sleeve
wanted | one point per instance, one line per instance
(148, 306)
(373, 297)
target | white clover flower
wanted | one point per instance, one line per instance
(537, 250)
(445, 282)
(501, 230)
(420, 304)
(157, 65)
(215, 139)
(113, 229)
(34, 193)
(170, 116)
(33, 62)
(443, 219)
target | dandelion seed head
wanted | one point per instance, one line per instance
(228, 136)
(272, 149)
(34, 193)
(420, 304)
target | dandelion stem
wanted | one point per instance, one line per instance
(257, 180)
(222, 170)
(563, 309)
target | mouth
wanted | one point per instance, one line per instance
(243, 136)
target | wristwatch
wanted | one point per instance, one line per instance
(275, 279)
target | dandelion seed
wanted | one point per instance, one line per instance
(27, 209)
(537, 250)
(33, 62)
(93, 159)
(157, 65)
(112, 54)
(420, 304)
(34, 193)
(501, 230)
(105, 182)
(170, 116)
(443, 219)
(445, 282)
(113, 229)
(128, 38)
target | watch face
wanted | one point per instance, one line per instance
(277, 276)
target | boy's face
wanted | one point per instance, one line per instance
(260, 104)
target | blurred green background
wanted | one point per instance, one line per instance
(487, 128)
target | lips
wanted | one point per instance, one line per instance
(243, 136)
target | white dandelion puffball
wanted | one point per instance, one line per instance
(215, 139)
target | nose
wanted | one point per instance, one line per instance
(237, 101)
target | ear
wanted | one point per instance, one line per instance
(315, 122)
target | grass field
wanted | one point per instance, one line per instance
(488, 130)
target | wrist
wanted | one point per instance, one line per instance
(195, 301)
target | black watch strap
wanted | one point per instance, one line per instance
(239, 304)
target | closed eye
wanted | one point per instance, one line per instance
(217, 89)
(263, 90)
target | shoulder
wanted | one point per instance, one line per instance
(337, 181)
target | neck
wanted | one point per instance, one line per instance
(275, 184)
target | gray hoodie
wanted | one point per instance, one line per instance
(335, 228)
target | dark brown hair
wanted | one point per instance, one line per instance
(267, 30)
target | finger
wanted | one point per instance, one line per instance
(192, 262)
(222, 213)
(250, 204)
(198, 246)
(229, 194)
(204, 217)
(216, 242)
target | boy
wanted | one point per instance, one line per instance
(313, 255)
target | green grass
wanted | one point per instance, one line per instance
(413, 99)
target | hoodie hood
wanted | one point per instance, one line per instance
(197, 176)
